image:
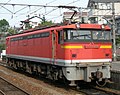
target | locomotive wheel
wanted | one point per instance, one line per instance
(101, 83)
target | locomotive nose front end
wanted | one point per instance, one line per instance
(87, 62)
(87, 71)
(88, 53)
(97, 72)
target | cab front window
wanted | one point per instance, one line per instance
(86, 35)
(101, 35)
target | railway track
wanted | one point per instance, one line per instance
(93, 92)
(7, 88)
(2, 93)
(87, 90)
(99, 91)
(107, 90)
(90, 89)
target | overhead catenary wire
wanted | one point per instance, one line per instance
(5, 3)
(41, 6)
(28, 12)
(61, 14)
(27, 5)
(55, 8)
(1, 4)
(20, 9)
(62, 7)
(73, 2)
(7, 9)
(31, 10)
(46, 13)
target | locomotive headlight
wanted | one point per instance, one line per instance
(77, 25)
(103, 26)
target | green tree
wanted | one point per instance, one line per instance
(118, 40)
(11, 31)
(28, 26)
(4, 22)
(47, 23)
(44, 22)
(4, 25)
(2, 47)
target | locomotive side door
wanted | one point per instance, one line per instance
(8, 45)
(53, 46)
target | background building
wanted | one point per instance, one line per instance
(102, 11)
(78, 17)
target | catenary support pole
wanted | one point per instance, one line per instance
(114, 32)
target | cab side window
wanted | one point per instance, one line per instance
(60, 37)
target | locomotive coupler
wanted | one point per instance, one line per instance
(97, 75)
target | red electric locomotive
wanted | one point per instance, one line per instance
(73, 52)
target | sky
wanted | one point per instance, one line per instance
(15, 14)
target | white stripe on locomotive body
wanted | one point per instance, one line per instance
(57, 61)
(85, 60)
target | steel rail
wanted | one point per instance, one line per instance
(115, 92)
(13, 86)
(2, 92)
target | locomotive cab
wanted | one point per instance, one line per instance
(86, 52)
